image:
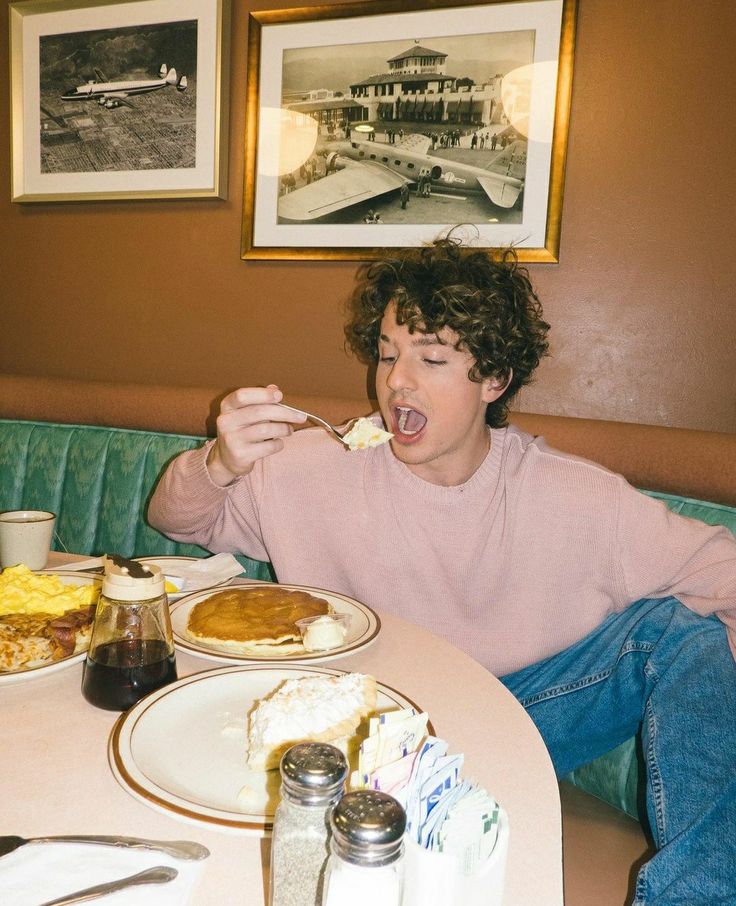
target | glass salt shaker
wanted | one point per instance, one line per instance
(366, 864)
(131, 652)
(312, 780)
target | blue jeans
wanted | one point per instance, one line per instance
(660, 670)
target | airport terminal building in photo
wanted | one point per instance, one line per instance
(415, 88)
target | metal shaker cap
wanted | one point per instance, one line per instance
(313, 771)
(368, 827)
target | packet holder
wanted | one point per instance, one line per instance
(436, 879)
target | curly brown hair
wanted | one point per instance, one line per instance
(487, 300)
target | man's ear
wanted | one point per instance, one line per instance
(495, 387)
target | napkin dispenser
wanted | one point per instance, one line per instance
(436, 879)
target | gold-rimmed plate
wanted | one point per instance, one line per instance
(182, 749)
(363, 628)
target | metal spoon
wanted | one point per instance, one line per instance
(158, 875)
(179, 849)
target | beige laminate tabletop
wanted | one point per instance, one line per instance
(55, 776)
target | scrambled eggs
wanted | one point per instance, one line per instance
(21, 591)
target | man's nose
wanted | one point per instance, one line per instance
(400, 377)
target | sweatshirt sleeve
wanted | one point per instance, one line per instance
(189, 507)
(665, 554)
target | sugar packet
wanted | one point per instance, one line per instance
(445, 813)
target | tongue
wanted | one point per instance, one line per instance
(413, 422)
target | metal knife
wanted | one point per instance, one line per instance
(179, 849)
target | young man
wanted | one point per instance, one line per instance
(603, 612)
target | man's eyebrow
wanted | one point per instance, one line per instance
(424, 339)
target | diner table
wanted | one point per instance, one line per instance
(56, 778)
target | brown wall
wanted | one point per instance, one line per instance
(641, 303)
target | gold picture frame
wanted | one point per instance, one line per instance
(116, 101)
(355, 144)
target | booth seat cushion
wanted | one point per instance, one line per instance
(98, 481)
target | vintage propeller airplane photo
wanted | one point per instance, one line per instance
(361, 170)
(115, 94)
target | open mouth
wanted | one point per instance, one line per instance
(408, 422)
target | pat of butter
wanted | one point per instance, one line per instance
(365, 434)
(324, 633)
(174, 584)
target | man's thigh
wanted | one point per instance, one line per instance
(591, 697)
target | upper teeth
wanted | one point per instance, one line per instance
(403, 415)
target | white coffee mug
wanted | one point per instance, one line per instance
(25, 537)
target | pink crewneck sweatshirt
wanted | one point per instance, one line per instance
(522, 560)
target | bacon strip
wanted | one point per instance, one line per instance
(63, 629)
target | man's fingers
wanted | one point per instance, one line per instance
(251, 425)
(235, 434)
(249, 405)
(267, 417)
(250, 396)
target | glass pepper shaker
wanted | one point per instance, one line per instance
(131, 652)
(312, 780)
(366, 864)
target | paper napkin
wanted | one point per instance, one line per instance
(38, 872)
(209, 571)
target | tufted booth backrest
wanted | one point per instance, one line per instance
(98, 481)
(672, 460)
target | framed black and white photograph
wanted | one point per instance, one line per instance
(117, 100)
(383, 124)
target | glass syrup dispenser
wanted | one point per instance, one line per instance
(131, 652)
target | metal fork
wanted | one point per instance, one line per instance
(339, 434)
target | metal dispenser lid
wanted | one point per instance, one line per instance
(128, 580)
(368, 827)
(313, 771)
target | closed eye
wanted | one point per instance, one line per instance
(435, 361)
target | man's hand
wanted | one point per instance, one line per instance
(250, 426)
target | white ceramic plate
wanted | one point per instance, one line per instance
(168, 565)
(181, 750)
(68, 577)
(364, 627)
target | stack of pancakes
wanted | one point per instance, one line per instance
(257, 621)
